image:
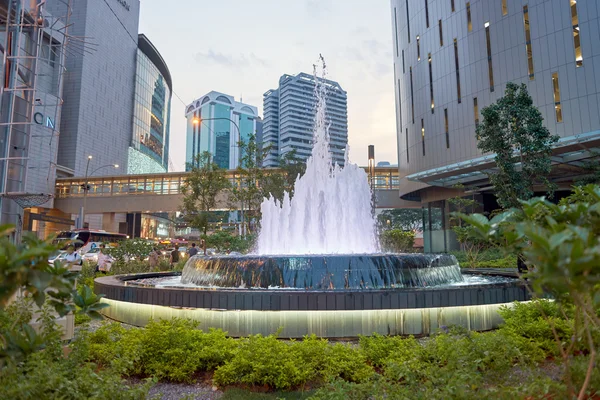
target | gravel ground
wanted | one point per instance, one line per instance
(176, 391)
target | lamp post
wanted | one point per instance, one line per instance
(197, 121)
(372, 173)
(86, 188)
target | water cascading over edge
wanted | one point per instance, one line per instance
(330, 212)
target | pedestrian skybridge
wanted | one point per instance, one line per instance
(151, 193)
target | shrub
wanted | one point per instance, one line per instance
(268, 361)
(167, 349)
(379, 350)
(261, 360)
(396, 240)
(534, 321)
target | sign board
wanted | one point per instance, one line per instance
(50, 218)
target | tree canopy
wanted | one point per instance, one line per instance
(513, 129)
(201, 189)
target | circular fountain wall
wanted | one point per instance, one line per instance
(330, 296)
(323, 272)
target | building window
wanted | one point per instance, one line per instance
(446, 128)
(452, 5)
(403, 70)
(504, 7)
(469, 24)
(441, 35)
(407, 158)
(412, 98)
(489, 54)
(418, 48)
(423, 135)
(457, 72)
(576, 39)
(407, 22)
(430, 82)
(400, 104)
(426, 14)
(396, 30)
(476, 112)
(557, 106)
(528, 43)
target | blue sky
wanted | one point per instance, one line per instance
(242, 47)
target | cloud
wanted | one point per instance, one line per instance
(318, 8)
(230, 60)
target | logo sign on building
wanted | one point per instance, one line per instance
(124, 4)
(40, 119)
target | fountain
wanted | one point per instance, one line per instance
(317, 269)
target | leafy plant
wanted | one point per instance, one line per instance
(561, 245)
(397, 241)
(202, 187)
(513, 129)
(130, 250)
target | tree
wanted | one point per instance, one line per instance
(405, 219)
(248, 192)
(512, 128)
(201, 189)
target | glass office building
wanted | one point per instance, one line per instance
(149, 150)
(217, 123)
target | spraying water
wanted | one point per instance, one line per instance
(331, 209)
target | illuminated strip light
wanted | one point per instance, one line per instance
(328, 324)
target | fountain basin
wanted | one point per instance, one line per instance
(326, 313)
(323, 272)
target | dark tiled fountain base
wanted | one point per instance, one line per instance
(325, 313)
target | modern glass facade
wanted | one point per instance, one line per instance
(488, 44)
(149, 152)
(217, 123)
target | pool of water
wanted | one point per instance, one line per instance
(175, 282)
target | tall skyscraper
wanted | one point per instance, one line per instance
(217, 123)
(289, 118)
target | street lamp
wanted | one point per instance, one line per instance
(196, 121)
(371, 166)
(86, 187)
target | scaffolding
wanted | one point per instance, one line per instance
(33, 45)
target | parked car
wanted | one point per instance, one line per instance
(57, 256)
(183, 251)
(92, 255)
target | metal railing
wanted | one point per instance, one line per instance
(385, 178)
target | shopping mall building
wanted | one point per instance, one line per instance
(454, 57)
(97, 103)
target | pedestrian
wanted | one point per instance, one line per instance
(72, 258)
(153, 258)
(193, 250)
(174, 259)
(104, 260)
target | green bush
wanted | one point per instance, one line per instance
(398, 241)
(261, 360)
(492, 257)
(167, 349)
(49, 374)
(379, 350)
(534, 321)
